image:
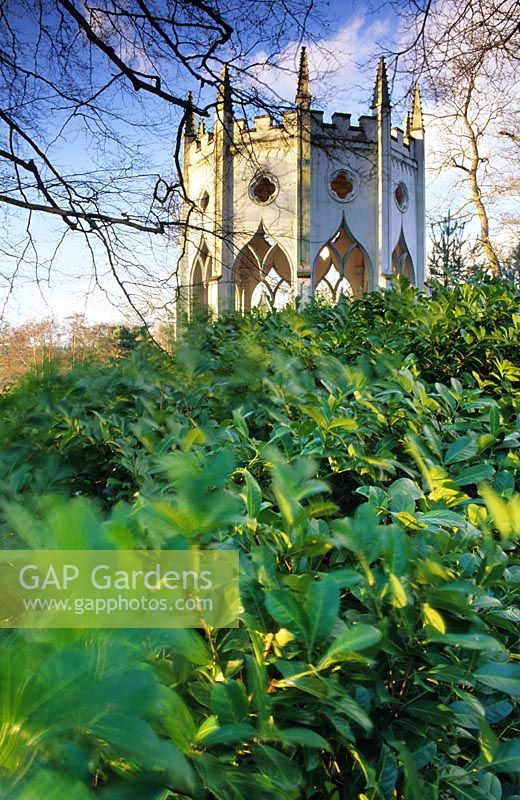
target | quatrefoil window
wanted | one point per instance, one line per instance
(263, 189)
(343, 185)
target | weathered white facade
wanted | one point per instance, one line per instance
(301, 208)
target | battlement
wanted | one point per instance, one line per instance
(341, 121)
(202, 142)
(340, 127)
(263, 122)
(399, 138)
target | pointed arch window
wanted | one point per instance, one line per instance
(262, 274)
(402, 260)
(200, 276)
(341, 267)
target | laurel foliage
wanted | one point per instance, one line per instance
(364, 461)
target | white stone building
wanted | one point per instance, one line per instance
(304, 207)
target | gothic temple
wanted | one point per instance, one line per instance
(303, 208)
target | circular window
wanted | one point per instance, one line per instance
(342, 185)
(263, 189)
(204, 200)
(401, 196)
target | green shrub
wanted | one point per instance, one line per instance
(363, 459)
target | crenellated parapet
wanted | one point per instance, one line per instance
(264, 127)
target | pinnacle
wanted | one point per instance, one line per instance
(417, 126)
(224, 92)
(190, 117)
(303, 94)
(381, 95)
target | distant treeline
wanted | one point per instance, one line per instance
(33, 345)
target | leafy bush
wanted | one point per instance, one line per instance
(363, 459)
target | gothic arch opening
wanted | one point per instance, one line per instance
(341, 267)
(402, 261)
(200, 276)
(262, 274)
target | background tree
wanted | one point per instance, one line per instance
(466, 56)
(447, 260)
(94, 102)
(510, 265)
(38, 346)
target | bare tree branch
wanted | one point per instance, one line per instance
(93, 107)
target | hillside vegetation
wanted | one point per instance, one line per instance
(363, 459)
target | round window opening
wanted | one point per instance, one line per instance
(401, 196)
(204, 200)
(263, 189)
(342, 185)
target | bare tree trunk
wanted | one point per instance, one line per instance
(472, 173)
(476, 196)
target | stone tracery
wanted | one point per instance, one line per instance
(341, 267)
(402, 261)
(262, 274)
(200, 276)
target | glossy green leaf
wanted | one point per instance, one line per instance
(288, 613)
(501, 677)
(229, 702)
(304, 737)
(228, 735)
(506, 757)
(278, 767)
(322, 607)
(354, 640)
(387, 772)
(461, 450)
(474, 474)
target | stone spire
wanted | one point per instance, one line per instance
(381, 95)
(189, 130)
(303, 178)
(417, 138)
(223, 130)
(381, 110)
(417, 126)
(303, 94)
(224, 102)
